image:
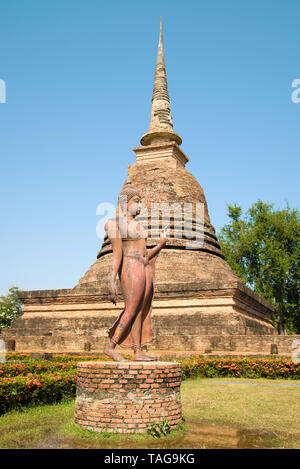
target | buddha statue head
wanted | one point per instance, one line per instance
(129, 199)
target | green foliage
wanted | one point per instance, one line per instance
(10, 307)
(35, 382)
(36, 367)
(17, 357)
(272, 368)
(36, 389)
(159, 429)
(263, 250)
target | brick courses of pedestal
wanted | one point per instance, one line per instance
(127, 397)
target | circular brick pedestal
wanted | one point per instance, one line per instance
(127, 397)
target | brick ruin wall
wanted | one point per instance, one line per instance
(203, 332)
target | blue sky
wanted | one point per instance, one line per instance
(79, 77)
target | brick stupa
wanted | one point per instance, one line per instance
(200, 305)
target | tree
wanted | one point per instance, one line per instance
(10, 308)
(262, 248)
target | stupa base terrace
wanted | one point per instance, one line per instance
(217, 320)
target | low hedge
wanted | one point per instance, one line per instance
(36, 389)
(17, 357)
(34, 382)
(76, 358)
(240, 368)
(9, 369)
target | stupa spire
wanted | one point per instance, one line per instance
(161, 124)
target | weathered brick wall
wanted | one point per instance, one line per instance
(239, 346)
(70, 331)
(127, 397)
(64, 322)
(176, 329)
(205, 332)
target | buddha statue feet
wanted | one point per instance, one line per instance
(140, 357)
(112, 353)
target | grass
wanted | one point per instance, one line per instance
(273, 410)
(53, 426)
(217, 415)
(26, 428)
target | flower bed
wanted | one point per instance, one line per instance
(17, 356)
(9, 370)
(33, 382)
(36, 389)
(14, 356)
(240, 368)
(44, 382)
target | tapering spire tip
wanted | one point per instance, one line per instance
(161, 124)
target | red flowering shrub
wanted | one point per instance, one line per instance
(10, 369)
(33, 382)
(30, 382)
(36, 389)
(15, 356)
(78, 358)
(272, 368)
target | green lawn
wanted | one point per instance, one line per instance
(270, 412)
(217, 416)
